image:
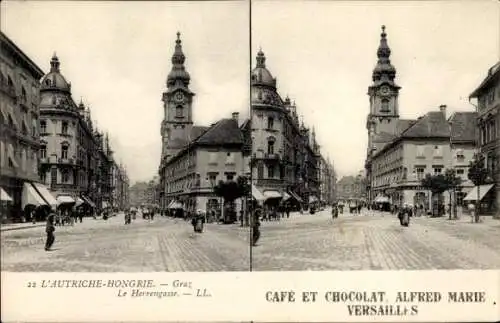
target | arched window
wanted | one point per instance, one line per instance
(64, 151)
(64, 128)
(47, 82)
(179, 111)
(385, 105)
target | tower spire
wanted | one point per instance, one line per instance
(54, 63)
(178, 72)
(384, 70)
(261, 59)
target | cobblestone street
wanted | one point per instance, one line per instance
(376, 242)
(110, 246)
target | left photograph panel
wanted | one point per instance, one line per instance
(124, 139)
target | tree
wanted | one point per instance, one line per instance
(453, 182)
(478, 174)
(230, 191)
(440, 183)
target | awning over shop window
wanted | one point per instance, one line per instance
(79, 202)
(175, 205)
(88, 201)
(286, 196)
(483, 190)
(295, 196)
(272, 195)
(313, 199)
(256, 194)
(65, 199)
(45, 193)
(30, 196)
(4, 197)
(381, 199)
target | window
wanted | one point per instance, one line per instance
(65, 176)
(178, 111)
(270, 146)
(64, 151)
(270, 171)
(438, 151)
(53, 176)
(437, 169)
(23, 94)
(420, 151)
(270, 123)
(420, 172)
(491, 96)
(43, 177)
(260, 171)
(460, 171)
(43, 152)
(212, 158)
(43, 126)
(33, 128)
(229, 176)
(230, 159)
(64, 128)
(385, 105)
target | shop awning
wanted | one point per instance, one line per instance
(4, 197)
(30, 196)
(65, 199)
(483, 190)
(79, 202)
(381, 199)
(286, 196)
(295, 196)
(45, 193)
(313, 199)
(88, 201)
(175, 205)
(272, 195)
(256, 194)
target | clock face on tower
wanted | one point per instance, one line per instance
(179, 97)
(384, 90)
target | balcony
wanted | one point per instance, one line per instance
(270, 182)
(271, 156)
(67, 161)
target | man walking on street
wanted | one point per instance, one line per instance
(49, 229)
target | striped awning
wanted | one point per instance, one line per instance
(295, 196)
(483, 190)
(175, 205)
(256, 194)
(88, 201)
(45, 193)
(30, 196)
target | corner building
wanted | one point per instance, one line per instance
(285, 154)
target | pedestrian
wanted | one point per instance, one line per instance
(49, 229)
(33, 216)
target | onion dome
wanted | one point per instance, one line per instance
(54, 80)
(178, 72)
(260, 74)
(384, 69)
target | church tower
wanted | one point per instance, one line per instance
(383, 93)
(177, 106)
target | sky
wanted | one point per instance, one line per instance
(323, 54)
(117, 55)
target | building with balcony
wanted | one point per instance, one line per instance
(120, 185)
(75, 158)
(285, 154)
(488, 108)
(195, 158)
(19, 129)
(327, 181)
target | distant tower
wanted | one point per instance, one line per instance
(178, 106)
(383, 93)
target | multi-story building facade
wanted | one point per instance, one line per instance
(400, 152)
(351, 187)
(195, 158)
(488, 108)
(120, 185)
(75, 159)
(285, 155)
(19, 129)
(426, 147)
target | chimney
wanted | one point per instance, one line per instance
(236, 116)
(442, 108)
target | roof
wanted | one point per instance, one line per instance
(432, 125)
(463, 126)
(224, 132)
(197, 131)
(493, 74)
(34, 69)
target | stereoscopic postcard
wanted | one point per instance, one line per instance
(250, 161)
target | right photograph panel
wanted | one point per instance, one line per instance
(375, 131)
